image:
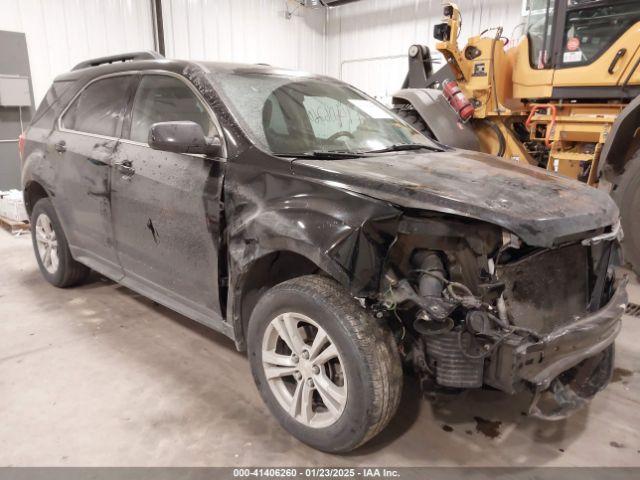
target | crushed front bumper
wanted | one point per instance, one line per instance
(538, 363)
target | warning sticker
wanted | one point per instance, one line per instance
(573, 44)
(570, 57)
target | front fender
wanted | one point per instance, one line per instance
(344, 233)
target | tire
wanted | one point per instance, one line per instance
(627, 197)
(414, 119)
(64, 271)
(366, 364)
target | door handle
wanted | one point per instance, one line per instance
(619, 54)
(125, 167)
(60, 147)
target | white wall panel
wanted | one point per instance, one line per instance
(61, 33)
(247, 31)
(368, 40)
(364, 43)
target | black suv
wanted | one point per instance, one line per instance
(327, 237)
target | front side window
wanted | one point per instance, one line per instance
(99, 108)
(293, 115)
(591, 29)
(539, 32)
(161, 98)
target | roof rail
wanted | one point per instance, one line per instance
(123, 57)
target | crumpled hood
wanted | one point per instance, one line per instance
(540, 207)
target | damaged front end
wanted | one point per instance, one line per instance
(474, 306)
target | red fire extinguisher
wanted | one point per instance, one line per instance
(457, 100)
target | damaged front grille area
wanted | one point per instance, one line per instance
(547, 289)
(478, 307)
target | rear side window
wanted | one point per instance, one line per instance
(161, 98)
(99, 108)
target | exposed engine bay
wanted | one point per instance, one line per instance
(473, 306)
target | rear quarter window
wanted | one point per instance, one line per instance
(52, 102)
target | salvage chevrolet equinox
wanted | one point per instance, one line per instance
(324, 235)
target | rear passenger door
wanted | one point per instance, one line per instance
(84, 145)
(166, 206)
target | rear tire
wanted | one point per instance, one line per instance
(627, 197)
(51, 248)
(365, 374)
(413, 118)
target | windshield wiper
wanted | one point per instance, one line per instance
(399, 147)
(338, 154)
(322, 154)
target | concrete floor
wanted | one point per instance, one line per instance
(98, 375)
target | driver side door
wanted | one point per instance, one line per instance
(166, 206)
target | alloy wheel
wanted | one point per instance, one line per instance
(47, 243)
(304, 370)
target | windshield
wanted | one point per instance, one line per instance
(298, 115)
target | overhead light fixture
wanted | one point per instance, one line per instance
(325, 3)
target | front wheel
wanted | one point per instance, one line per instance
(327, 370)
(627, 195)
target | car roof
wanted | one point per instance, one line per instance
(140, 61)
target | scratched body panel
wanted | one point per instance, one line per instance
(343, 232)
(166, 221)
(83, 174)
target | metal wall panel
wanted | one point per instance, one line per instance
(61, 33)
(368, 40)
(14, 64)
(364, 43)
(247, 31)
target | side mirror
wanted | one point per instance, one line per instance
(183, 137)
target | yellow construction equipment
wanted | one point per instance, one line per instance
(565, 98)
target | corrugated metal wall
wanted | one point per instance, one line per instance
(252, 31)
(61, 33)
(368, 40)
(364, 43)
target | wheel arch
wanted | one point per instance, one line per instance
(265, 272)
(33, 191)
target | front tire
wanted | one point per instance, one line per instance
(627, 197)
(51, 248)
(413, 118)
(327, 370)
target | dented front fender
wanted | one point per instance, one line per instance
(345, 233)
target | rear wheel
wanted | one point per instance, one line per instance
(414, 119)
(52, 251)
(328, 371)
(627, 196)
